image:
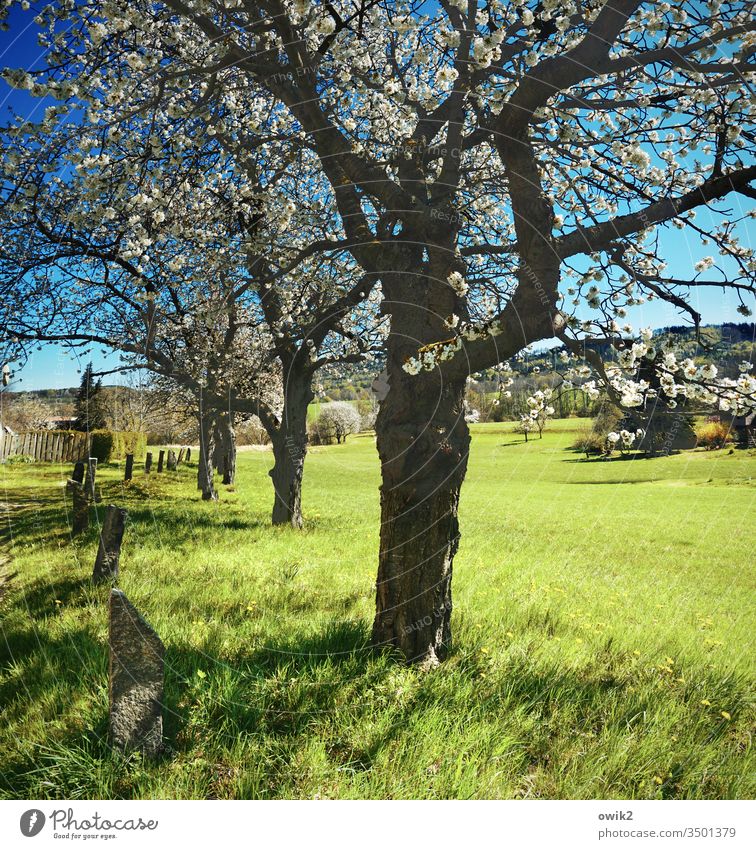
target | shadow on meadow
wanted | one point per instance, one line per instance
(325, 684)
(45, 517)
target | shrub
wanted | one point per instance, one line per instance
(109, 445)
(20, 458)
(712, 435)
(589, 442)
(608, 419)
(251, 432)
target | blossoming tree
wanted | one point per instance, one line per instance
(503, 168)
(104, 243)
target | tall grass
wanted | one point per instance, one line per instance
(603, 634)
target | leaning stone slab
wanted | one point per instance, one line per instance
(172, 462)
(136, 679)
(78, 472)
(80, 507)
(89, 483)
(109, 552)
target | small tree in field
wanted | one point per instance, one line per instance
(87, 407)
(337, 420)
(540, 411)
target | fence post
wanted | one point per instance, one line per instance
(89, 484)
(109, 552)
(80, 508)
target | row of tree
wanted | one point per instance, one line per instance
(239, 195)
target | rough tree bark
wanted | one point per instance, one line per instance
(289, 450)
(224, 447)
(205, 468)
(423, 444)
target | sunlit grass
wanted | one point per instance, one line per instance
(603, 634)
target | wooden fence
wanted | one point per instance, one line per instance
(46, 446)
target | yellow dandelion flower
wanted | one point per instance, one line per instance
(658, 779)
(726, 715)
(705, 702)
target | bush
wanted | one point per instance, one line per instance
(251, 432)
(608, 419)
(109, 445)
(589, 442)
(712, 435)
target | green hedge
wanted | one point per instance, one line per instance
(108, 445)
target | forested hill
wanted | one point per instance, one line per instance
(726, 344)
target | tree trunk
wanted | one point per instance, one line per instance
(289, 451)
(224, 448)
(423, 443)
(205, 468)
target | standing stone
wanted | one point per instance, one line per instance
(78, 472)
(109, 552)
(188, 454)
(89, 483)
(80, 510)
(148, 463)
(136, 680)
(180, 457)
(129, 467)
(171, 460)
(161, 459)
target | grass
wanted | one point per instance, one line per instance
(603, 632)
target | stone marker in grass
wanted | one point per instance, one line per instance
(148, 463)
(78, 472)
(80, 509)
(136, 680)
(161, 460)
(129, 473)
(188, 454)
(109, 552)
(89, 483)
(171, 460)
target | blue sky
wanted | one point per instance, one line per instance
(52, 367)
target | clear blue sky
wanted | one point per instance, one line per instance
(52, 367)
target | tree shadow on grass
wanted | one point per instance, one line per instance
(310, 684)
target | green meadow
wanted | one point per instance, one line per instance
(603, 633)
